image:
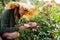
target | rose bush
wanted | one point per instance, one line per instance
(47, 23)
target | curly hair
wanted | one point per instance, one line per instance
(12, 5)
(16, 6)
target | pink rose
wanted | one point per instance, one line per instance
(48, 5)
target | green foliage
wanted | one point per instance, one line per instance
(41, 32)
(47, 24)
(1, 8)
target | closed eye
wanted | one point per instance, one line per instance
(26, 10)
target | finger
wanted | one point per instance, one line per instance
(5, 35)
(14, 35)
(9, 38)
(0, 38)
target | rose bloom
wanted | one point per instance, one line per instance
(48, 5)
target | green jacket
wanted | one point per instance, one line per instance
(8, 22)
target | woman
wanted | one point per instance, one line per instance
(9, 21)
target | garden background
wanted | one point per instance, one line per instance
(47, 19)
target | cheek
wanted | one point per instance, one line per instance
(21, 12)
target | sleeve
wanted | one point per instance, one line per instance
(5, 23)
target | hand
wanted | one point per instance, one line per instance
(11, 35)
(30, 24)
(22, 27)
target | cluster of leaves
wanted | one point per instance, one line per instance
(43, 30)
(47, 25)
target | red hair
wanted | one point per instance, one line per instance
(12, 5)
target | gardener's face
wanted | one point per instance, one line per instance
(22, 11)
